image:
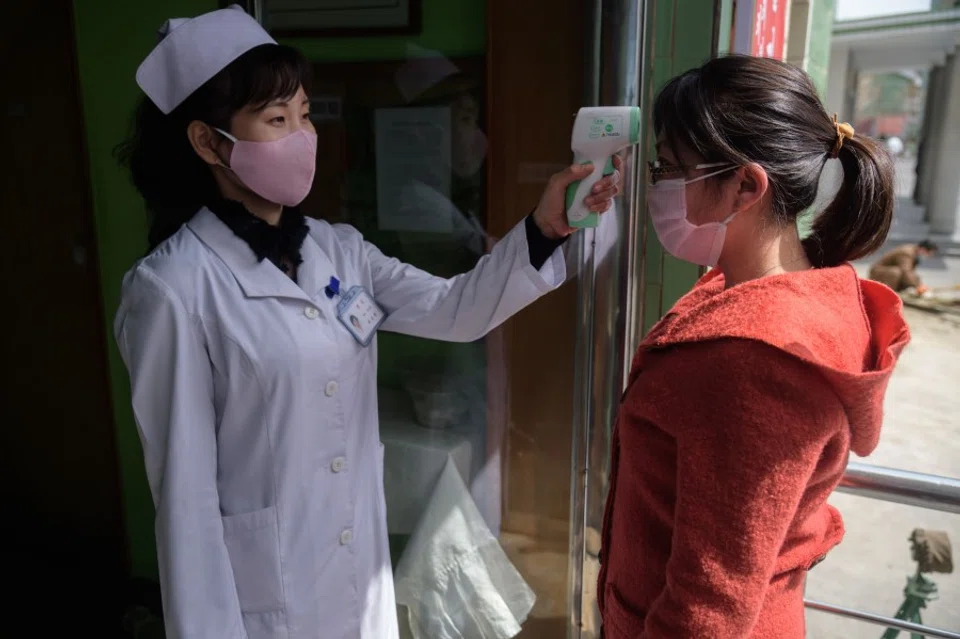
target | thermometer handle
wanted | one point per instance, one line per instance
(578, 215)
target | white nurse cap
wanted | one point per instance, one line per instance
(193, 50)
(424, 69)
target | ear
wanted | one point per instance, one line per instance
(205, 142)
(753, 186)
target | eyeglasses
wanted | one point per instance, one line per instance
(657, 171)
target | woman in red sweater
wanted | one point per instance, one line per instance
(745, 401)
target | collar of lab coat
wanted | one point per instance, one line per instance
(261, 278)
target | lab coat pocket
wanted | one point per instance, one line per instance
(253, 543)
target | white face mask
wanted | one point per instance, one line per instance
(667, 204)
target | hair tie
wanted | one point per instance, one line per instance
(844, 132)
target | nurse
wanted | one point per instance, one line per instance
(249, 335)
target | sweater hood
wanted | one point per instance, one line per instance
(851, 330)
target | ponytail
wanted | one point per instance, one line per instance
(856, 223)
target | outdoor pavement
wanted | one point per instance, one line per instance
(921, 433)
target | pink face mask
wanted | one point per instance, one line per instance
(280, 171)
(667, 204)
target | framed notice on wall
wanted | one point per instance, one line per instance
(330, 18)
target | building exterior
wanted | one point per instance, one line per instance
(925, 44)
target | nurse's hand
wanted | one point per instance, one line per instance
(551, 213)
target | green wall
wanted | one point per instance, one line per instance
(725, 28)
(821, 33)
(113, 36)
(816, 62)
(676, 45)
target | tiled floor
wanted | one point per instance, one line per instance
(544, 568)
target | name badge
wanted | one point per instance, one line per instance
(357, 311)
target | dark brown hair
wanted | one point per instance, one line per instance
(742, 109)
(173, 181)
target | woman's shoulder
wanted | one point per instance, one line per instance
(740, 387)
(343, 244)
(723, 361)
(171, 270)
(817, 315)
(806, 343)
(345, 236)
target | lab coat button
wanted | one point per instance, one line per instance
(338, 464)
(331, 389)
(346, 537)
(311, 312)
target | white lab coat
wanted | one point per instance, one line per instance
(257, 412)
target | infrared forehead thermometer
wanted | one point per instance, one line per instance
(599, 133)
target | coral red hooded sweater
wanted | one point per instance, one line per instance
(739, 416)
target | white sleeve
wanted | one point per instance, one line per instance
(466, 307)
(172, 388)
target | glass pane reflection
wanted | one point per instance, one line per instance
(477, 496)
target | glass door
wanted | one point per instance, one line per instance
(434, 145)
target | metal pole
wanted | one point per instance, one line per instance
(583, 358)
(902, 486)
(607, 302)
(880, 620)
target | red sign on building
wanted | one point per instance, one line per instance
(769, 28)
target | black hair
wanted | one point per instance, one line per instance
(927, 245)
(744, 109)
(173, 181)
